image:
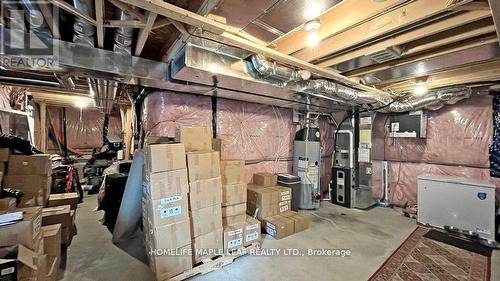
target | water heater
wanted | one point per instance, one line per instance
(307, 165)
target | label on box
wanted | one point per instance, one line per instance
(235, 232)
(234, 243)
(252, 226)
(284, 209)
(252, 236)
(283, 203)
(285, 197)
(8, 270)
(170, 212)
(170, 199)
(270, 231)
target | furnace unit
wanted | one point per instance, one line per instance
(307, 165)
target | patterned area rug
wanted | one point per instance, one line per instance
(420, 258)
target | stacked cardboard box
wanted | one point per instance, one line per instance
(60, 215)
(165, 209)
(32, 175)
(52, 248)
(62, 199)
(266, 198)
(4, 158)
(285, 224)
(252, 230)
(205, 191)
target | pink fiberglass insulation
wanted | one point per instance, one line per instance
(327, 134)
(456, 144)
(84, 133)
(260, 134)
(5, 96)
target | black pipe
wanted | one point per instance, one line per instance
(65, 134)
(214, 107)
(105, 129)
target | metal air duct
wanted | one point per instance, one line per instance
(124, 37)
(103, 92)
(84, 31)
(35, 18)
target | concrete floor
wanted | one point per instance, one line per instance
(371, 236)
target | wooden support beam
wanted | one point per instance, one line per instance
(99, 15)
(124, 23)
(179, 27)
(495, 10)
(52, 22)
(161, 23)
(129, 10)
(474, 6)
(43, 127)
(225, 35)
(72, 10)
(339, 18)
(412, 35)
(395, 20)
(144, 33)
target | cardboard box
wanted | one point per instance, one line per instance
(233, 194)
(233, 236)
(285, 193)
(52, 248)
(168, 266)
(284, 206)
(279, 226)
(52, 271)
(26, 232)
(28, 200)
(7, 203)
(4, 154)
(37, 164)
(166, 211)
(172, 236)
(265, 179)
(217, 145)
(30, 185)
(251, 233)
(264, 211)
(205, 193)
(207, 245)
(165, 184)
(59, 215)
(262, 195)
(62, 199)
(301, 222)
(164, 157)
(233, 219)
(206, 220)
(156, 140)
(32, 265)
(234, 210)
(203, 165)
(232, 171)
(194, 138)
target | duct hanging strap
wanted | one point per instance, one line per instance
(495, 144)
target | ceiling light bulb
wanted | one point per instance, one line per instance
(80, 103)
(420, 89)
(312, 39)
(312, 9)
(312, 25)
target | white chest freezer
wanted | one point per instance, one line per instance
(463, 203)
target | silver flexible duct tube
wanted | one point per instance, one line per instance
(35, 18)
(124, 37)
(271, 70)
(84, 31)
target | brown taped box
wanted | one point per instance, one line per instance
(203, 165)
(206, 220)
(278, 226)
(52, 248)
(262, 195)
(285, 193)
(284, 206)
(4, 154)
(265, 179)
(207, 245)
(156, 140)
(37, 164)
(301, 222)
(168, 266)
(59, 215)
(233, 219)
(28, 200)
(30, 185)
(205, 193)
(171, 236)
(194, 138)
(232, 171)
(164, 157)
(62, 199)
(251, 233)
(264, 211)
(7, 203)
(167, 210)
(234, 210)
(26, 232)
(233, 236)
(233, 194)
(32, 264)
(164, 184)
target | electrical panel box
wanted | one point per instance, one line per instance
(408, 125)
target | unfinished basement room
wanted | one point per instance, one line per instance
(250, 140)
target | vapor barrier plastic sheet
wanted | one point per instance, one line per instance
(82, 133)
(457, 145)
(5, 96)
